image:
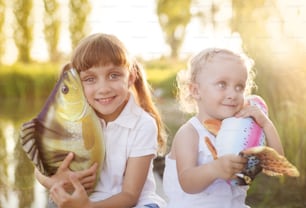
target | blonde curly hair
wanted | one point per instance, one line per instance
(198, 62)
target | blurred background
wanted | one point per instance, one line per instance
(37, 37)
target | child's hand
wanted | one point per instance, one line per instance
(78, 198)
(88, 177)
(227, 166)
(63, 174)
(256, 113)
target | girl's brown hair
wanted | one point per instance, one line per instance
(102, 49)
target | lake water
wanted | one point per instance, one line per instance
(18, 185)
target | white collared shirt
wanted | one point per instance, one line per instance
(132, 134)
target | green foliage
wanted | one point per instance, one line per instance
(52, 23)
(79, 11)
(161, 75)
(23, 29)
(23, 81)
(174, 17)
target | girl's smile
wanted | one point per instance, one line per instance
(107, 89)
(105, 101)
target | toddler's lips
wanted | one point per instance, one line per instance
(230, 105)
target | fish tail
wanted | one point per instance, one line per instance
(29, 145)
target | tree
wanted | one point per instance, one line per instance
(206, 15)
(2, 35)
(79, 10)
(52, 27)
(23, 29)
(249, 20)
(174, 17)
(278, 60)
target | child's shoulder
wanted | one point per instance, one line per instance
(187, 130)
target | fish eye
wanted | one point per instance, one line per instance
(65, 89)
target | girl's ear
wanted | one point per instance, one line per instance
(194, 91)
(132, 78)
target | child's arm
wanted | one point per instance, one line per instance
(194, 178)
(135, 176)
(134, 179)
(86, 177)
(272, 137)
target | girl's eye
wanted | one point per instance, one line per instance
(114, 76)
(88, 79)
(239, 88)
(221, 85)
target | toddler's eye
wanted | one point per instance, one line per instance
(221, 85)
(239, 88)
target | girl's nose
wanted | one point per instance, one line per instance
(231, 94)
(102, 86)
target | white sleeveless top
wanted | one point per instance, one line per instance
(219, 194)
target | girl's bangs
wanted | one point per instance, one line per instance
(99, 51)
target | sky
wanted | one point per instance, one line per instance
(133, 21)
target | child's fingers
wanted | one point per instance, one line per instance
(76, 183)
(58, 193)
(89, 182)
(88, 172)
(88, 179)
(65, 164)
(247, 111)
(238, 164)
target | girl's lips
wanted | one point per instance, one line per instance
(230, 105)
(105, 100)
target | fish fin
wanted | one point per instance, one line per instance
(29, 145)
(251, 170)
(88, 132)
(212, 125)
(273, 164)
(211, 148)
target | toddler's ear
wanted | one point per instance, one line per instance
(194, 90)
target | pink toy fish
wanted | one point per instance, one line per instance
(237, 134)
(245, 137)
